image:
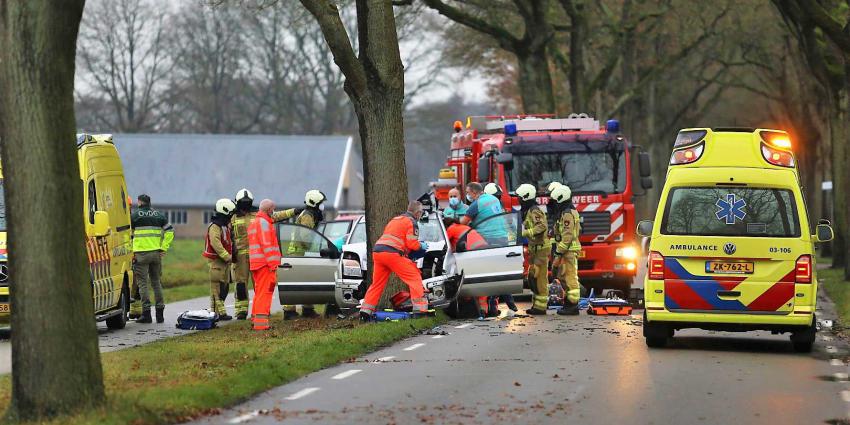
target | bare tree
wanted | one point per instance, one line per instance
(55, 357)
(122, 51)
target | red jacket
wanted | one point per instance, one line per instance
(473, 239)
(401, 235)
(263, 247)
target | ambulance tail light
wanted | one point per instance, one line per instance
(772, 155)
(803, 269)
(687, 155)
(656, 266)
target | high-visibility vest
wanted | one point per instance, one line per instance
(263, 247)
(458, 232)
(224, 238)
(401, 235)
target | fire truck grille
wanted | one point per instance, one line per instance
(585, 264)
(595, 223)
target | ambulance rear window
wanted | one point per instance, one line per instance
(731, 211)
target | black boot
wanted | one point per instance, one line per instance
(366, 317)
(568, 310)
(289, 315)
(309, 313)
(241, 315)
(146, 316)
(533, 311)
(160, 317)
(225, 317)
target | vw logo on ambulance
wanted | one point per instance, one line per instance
(729, 248)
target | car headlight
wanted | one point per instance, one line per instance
(629, 252)
(351, 268)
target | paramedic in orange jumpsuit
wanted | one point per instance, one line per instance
(469, 240)
(264, 257)
(400, 237)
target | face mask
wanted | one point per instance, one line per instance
(454, 202)
(469, 198)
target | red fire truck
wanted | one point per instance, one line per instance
(595, 162)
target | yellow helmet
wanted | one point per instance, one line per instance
(225, 206)
(526, 192)
(553, 185)
(561, 194)
(493, 189)
(314, 197)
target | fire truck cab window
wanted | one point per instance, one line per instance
(588, 172)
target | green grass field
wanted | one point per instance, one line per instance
(184, 265)
(176, 379)
(838, 290)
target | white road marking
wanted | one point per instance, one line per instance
(840, 376)
(347, 373)
(245, 417)
(465, 325)
(437, 336)
(845, 395)
(303, 393)
(836, 362)
(413, 347)
(831, 349)
(385, 359)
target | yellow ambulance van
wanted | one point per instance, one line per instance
(106, 213)
(732, 245)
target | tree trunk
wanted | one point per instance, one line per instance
(55, 357)
(535, 82)
(381, 136)
(839, 198)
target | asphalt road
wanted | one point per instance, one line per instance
(592, 370)
(136, 333)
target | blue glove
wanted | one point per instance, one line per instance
(423, 245)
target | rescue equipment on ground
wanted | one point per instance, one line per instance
(395, 316)
(200, 320)
(610, 305)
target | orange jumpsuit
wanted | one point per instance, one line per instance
(401, 235)
(264, 257)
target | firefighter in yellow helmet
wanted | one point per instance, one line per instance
(218, 250)
(245, 212)
(310, 217)
(567, 229)
(536, 230)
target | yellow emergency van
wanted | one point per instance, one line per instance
(106, 213)
(732, 245)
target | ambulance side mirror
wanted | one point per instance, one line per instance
(644, 228)
(101, 223)
(824, 232)
(507, 160)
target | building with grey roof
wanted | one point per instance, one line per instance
(185, 174)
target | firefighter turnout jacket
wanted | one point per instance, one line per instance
(567, 231)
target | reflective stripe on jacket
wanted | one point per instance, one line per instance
(218, 244)
(151, 231)
(401, 234)
(263, 247)
(567, 232)
(239, 224)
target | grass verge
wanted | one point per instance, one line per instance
(184, 265)
(186, 292)
(838, 290)
(180, 378)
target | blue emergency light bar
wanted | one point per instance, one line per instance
(612, 126)
(510, 129)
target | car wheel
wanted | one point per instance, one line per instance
(120, 320)
(656, 334)
(804, 340)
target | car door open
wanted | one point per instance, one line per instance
(490, 257)
(308, 266)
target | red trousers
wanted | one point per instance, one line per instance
(386, 263)
(264, 283)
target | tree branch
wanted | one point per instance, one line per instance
(327, 15)
(505, 39)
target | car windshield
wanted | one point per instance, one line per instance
(430, 231)
(731, 211)
(335, 229)
(583, 172)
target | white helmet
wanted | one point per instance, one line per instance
(225, 206)
(244, 195)
(561, 194)
(552, 186)
(314, 197)
(526, 192)
(492, 189)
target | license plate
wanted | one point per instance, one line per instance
(4, 308)
(729, 267)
